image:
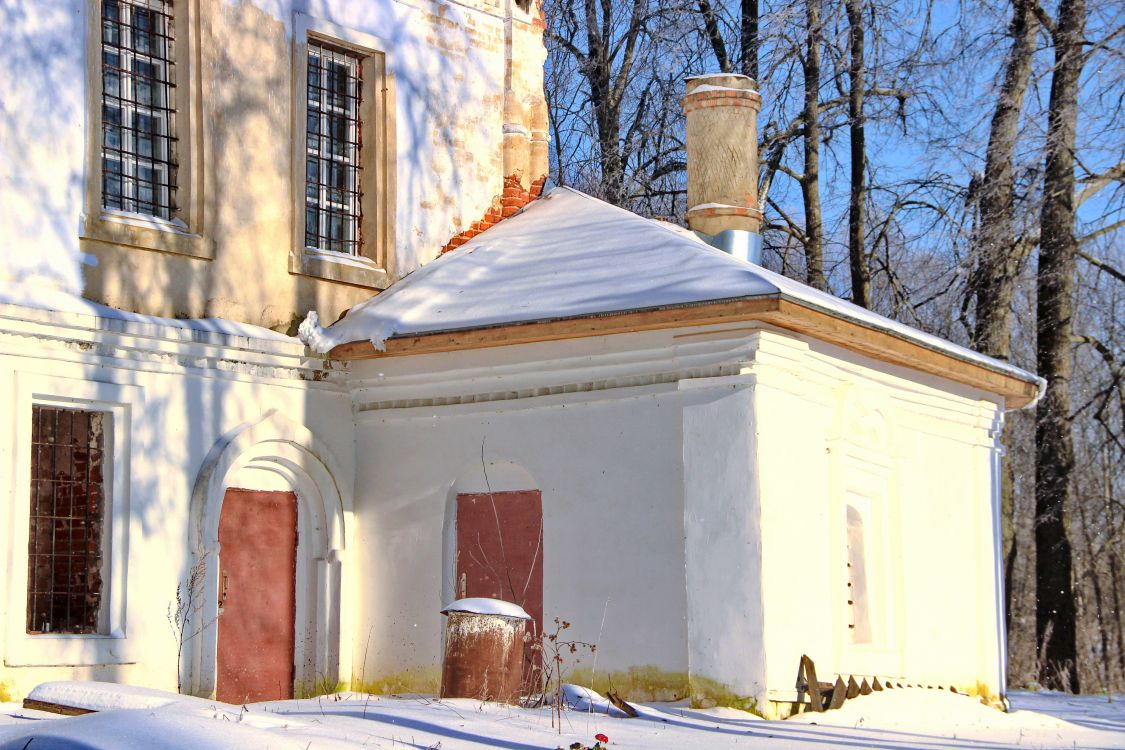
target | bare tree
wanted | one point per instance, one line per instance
(998, 248)
(810, 178)
(1058, 258)
(857, 207)
(749, 41)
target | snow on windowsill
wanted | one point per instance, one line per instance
(144, 221)
(331, 256)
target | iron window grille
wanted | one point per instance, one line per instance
(138, 117)
(64, 555)
(332, 148)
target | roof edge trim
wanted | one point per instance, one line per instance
(1018, 388)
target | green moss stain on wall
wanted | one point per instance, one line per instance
(636, 683)
(425, 680)
(641, 684)
(707, 693)
(323, 686)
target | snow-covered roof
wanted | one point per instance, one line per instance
(568, 255)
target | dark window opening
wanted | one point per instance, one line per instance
(64, 549)
(138, 101)
(332, 146)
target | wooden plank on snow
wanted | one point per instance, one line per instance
(56, 708)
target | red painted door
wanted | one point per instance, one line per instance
(257, 595)
(500, 548)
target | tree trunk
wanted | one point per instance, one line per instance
(1008, 528)
(606, 113)
(1114, 577)
(810, 185)
(861, 274)
(748, 39)
(714, 35)
(1055, 616)
(997, 252)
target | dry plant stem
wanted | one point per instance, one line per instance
(183, 609)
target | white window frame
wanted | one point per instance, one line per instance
(373, 266)
(66, 649)
(129, 110)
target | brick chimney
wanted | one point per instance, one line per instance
(722, 162)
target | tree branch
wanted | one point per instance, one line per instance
(1102, 265)
(1094, 183)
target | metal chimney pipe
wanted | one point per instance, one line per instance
(722, 162)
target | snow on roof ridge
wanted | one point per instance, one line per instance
(377, 319)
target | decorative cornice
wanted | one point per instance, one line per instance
(156, 347)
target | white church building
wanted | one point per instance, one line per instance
(707, 468)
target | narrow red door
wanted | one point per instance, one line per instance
(257, 595)
(500, 548)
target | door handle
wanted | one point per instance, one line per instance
(223, 590)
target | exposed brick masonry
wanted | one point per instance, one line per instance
(514, 197)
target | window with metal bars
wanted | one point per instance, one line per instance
(332, 147)
(65, 589)
(138, 107)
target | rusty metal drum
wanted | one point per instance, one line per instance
(484, 645)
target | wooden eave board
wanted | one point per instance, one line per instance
(782, 313)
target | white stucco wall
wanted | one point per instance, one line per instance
(915, 455)
(174, 396)
(595, 425)
(42, 142)
(693, 488)
(770, 437)
(723, 539)
(609, 468)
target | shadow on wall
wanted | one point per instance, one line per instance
(447, 102)
(450, 91)
(41, 143)
(449, 94)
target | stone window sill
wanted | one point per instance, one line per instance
(48, 650)
(346, 269)
(145, 232)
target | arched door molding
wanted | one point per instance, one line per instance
(279, 445)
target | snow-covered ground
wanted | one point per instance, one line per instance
(890, 720)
